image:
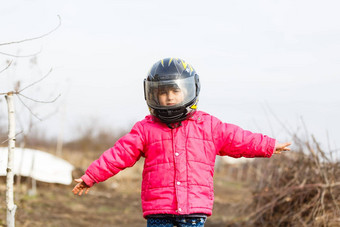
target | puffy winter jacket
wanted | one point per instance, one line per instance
(179, 163)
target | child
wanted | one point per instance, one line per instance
(179, 145)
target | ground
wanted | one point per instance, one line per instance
(113, 203)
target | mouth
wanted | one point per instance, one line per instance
(171, 104)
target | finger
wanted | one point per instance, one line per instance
(75, 190)
(81, 192)
(79, 180)
(284, 146)
(87, 190)
(77, 187)
(287, 144)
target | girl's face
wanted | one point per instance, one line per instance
(170, 96)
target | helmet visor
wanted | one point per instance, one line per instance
(170, 93)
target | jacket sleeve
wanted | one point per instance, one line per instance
(125, 153)
(233, 141)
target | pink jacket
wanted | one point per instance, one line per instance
(179, 163)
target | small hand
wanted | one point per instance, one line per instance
(281, 147)
(80, 187)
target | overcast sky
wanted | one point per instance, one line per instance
(253, 58)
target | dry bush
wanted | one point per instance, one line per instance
(298, 188)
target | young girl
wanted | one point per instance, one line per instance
(179, 145)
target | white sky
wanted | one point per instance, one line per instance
(249, 54)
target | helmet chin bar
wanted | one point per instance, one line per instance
(171, 116)
(174, 115)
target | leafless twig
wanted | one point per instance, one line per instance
(29, 109)
(18, 93)
(9, 64)
(34, 100)
(34, 38)
(12, 138)
(36, 81)
(22, 56)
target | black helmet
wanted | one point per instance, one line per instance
(171, 90)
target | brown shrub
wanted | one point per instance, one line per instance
(298, 188)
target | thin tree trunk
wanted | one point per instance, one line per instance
(11, 207)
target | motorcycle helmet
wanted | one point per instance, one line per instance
(171, 90)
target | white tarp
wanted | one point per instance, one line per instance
(231, 160)
(37, 164)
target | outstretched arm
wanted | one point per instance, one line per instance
(233, 141)
(125, 153)
(80, 187)
(281, 147)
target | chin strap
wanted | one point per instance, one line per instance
(174, 125)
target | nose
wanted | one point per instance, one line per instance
(170, 95)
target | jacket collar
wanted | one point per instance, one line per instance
(197, 116)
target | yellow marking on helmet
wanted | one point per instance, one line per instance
(184, 64)
(191, 69)
(170, 61)
(194, 106)
(162, 62)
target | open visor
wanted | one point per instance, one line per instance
(170, 93)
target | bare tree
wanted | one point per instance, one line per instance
(11, 207)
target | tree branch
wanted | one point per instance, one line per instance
(34, 38)
(7, 93)
(34, 100)
(28, 108)
(36, 81)
(9, 64)
(12, 137)
(21, 56)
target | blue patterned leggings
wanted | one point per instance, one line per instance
(176, 221)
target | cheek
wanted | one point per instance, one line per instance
(180, 97)
(161, 99)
